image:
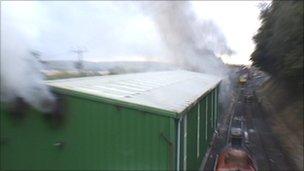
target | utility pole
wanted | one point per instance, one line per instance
(36, 54)
(79, 63)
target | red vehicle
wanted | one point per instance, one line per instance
(235, 157)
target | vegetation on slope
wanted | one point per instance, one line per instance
(279, 42)
(279, 52)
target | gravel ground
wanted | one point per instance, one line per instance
(262, 142)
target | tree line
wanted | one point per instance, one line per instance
(279, 42)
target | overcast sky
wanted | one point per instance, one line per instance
(113, 31)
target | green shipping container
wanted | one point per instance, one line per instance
(144, 121)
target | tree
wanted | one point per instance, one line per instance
(279, 41)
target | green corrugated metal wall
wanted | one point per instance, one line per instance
(203, 128)
(103, 136)
(97, 136)
(207, 110)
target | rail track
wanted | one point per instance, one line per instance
(261, 142)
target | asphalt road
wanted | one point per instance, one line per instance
(263, 144)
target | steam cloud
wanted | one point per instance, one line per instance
(192, 44)
(20, 73)
(189, 43)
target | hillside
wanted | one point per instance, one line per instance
(286, 117)
(121, 66)
(279, 53)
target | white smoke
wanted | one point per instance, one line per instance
(192, 44)
(20, 72)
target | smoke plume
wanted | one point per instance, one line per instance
(187, 42)
(192, 44)
(20, 72)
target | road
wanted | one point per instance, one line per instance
(247, 113)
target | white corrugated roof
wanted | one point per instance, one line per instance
(167, 90)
